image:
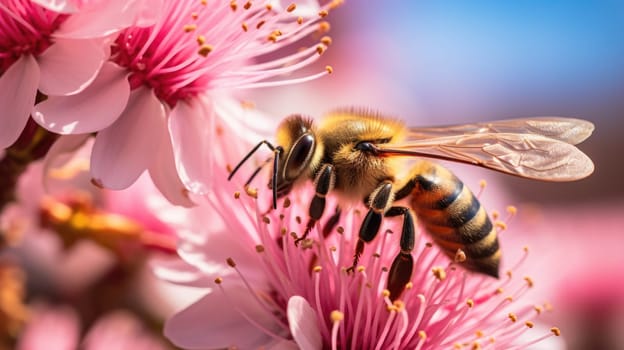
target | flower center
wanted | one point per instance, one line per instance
(26, 30)
(196, 46)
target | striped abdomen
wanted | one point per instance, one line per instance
(451, 213)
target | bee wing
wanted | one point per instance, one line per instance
(526, 155)
(569, 130)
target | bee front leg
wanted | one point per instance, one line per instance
(402, 266)
(323, 183)
(380, 199)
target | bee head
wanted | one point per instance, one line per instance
(292, 157)
(297, 140)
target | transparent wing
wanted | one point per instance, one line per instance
(522, 154)
(569, 130)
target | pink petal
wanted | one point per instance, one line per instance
(69, 66)
(165, 175)
(120, 330)
(93, 109)
(60, 154)
(101, 18)
(179, 272)
(18, 89)
(213, 322)
(125, 149)
(303, 324)
(256, 125)
(283, 345)
(53, 329)
(61, 6)
(191, 128)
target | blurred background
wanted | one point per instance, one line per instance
(429, 63)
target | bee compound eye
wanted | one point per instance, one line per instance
(299, 156)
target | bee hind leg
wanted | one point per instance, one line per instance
(401, 270)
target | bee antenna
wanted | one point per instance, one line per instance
(253, 150)
(278, 151)
(257, 171)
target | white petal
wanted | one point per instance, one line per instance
(18, 90)
(191, 126)
(125, 149)
(91, 110)
(303, 324)
(69, 66)
(164, 173)
(214, 322)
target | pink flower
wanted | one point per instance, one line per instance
(58, 328)
(153, 104)
(73, 232)
(281, 296)
(55, 47)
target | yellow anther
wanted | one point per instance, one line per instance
(500, 225)
(204, 50)
(439, 273)
(336, 316)
(460, 256)
(251, 192)
(324, 27)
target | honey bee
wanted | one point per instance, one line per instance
(360, 155)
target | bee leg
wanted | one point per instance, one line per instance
(379, 201)
(402, 266)
(324, 182)
(332, 222)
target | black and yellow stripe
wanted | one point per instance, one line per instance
(454, 217)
